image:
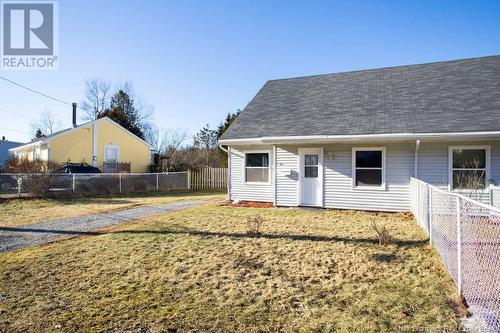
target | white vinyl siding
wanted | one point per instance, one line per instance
(339, 192)
(433, 162)
(337, 171)
(243, 191)
(287, 165)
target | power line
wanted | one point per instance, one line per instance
(12, 130)
(19, 106)
(17, 114)
(35, 91)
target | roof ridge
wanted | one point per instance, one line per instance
(386, 67)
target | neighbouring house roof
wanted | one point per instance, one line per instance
(442, 97)
(47, 138)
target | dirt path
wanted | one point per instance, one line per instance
(44, 232)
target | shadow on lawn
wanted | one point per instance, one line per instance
(314, 238)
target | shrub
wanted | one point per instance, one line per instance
(254, 224)
(37, 177)
(384, 237)
(17, 165)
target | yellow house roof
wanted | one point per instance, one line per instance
(66, 131)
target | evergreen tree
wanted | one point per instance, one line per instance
(206, 138)
(206, 141)
(38, 135)
(122, 110)
(230, 117)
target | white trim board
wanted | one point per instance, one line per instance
(359, 137)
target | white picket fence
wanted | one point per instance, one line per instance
(466, 234)
(208, 179)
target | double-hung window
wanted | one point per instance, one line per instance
(469, 167)
(368, 167)
(257, 167)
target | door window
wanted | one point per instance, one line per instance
(111, 154)
(311, 165)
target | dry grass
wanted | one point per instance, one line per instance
(25, 211)
(198, 269)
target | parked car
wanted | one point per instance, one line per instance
(78, 168)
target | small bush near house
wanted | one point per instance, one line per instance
(384, 237)
(254, 224)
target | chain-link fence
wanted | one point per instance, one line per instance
(466, 234)
(90, 184)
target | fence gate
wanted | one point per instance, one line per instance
(208, 179)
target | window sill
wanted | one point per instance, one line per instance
(369, 188)
(257, 183)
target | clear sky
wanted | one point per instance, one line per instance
(194, 61)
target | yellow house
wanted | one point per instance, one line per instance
(96, 142)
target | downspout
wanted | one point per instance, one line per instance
(228, 152)
(417, 148)
(94, 144)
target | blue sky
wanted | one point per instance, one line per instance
(194, 61)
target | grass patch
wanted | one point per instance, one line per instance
(199, 269)
(26, 211)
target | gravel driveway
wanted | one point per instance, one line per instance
(44, 232)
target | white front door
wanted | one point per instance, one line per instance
(311, 177)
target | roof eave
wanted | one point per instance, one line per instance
(358, 137)
(27, 145)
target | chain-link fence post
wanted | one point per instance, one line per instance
(120, 183)
(491, 194)
(73, 184)
(459, 246)
(19, 182)
(157, 187)
(189, 179)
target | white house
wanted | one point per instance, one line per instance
(353, 140)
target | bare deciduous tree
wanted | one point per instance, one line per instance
(171, 141)
(47, 123)
(151, 135)
(97, 96)
(144, 110)
(167, 142)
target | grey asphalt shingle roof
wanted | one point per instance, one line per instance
(451, 96)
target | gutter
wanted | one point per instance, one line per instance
(27, 145)
(359, 137)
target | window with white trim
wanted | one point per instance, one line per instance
(368, 167)
(469, 167)
(257, 167)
